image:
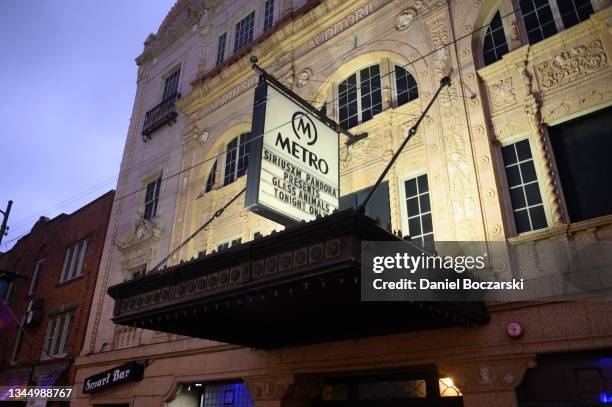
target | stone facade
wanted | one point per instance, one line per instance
(312, 47)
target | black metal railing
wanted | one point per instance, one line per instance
(162, 114)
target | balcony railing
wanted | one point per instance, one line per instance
(162, 114)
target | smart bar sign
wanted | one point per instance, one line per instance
(293, 160)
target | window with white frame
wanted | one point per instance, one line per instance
(152, 198)
(212, 175)
(405, 86)
(74, 260)
(544, 18)
(18, 342)
(359, 97)
(268, 14)
(221, 48)
(38, 268)
(236, 158)
(57, 339)
(418, 209)
(494, 45)
(527, 206)
(244, 31)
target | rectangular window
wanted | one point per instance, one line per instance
(236, 158)
(244, 31)
(38, 268)
(221, 48)
(418, 210)
(171, 85)
(582, 150)
(359, 97)
(371, 96)
(73, 263)
(268, 14)
(57, 339)
(152, 198)
(525, 194)
(574, 11)
(347, 102)
(18, 343)
(539, 20)
(243, 154)
(230, 162)
(407, 89)
(494, 46)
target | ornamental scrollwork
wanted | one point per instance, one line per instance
(572, 64)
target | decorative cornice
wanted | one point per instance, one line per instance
(183, 15)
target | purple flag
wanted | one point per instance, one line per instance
(6, 317)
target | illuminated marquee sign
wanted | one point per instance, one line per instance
(293, 171)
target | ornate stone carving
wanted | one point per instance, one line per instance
(362, 152)
(442, 58)
(502, 93)
(185, 14)
(303, 77)
(571, 65)
(140, 232)
(404, 20)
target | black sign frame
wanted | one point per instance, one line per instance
(128, 372)
(256, 149)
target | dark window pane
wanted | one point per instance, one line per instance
(509, 154)
(514, 177)
(414, 226)
(521, 218)
(211, 177)
(517, 197)
(538, 218)
(423, 187)
(533, 194)
(528, 172)
(412, 206)
(523, 150)
(427, 225)
(424, 200)
(411, 187)
(582, 152)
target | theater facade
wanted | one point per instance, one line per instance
(251, 312)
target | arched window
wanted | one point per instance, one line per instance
(211, 177)
(544, 18)
(494, 45)
(359, 97)
(236, 158)
(405, 86)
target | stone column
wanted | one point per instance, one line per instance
(489, 382)
(543, 150)
(283, 390)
